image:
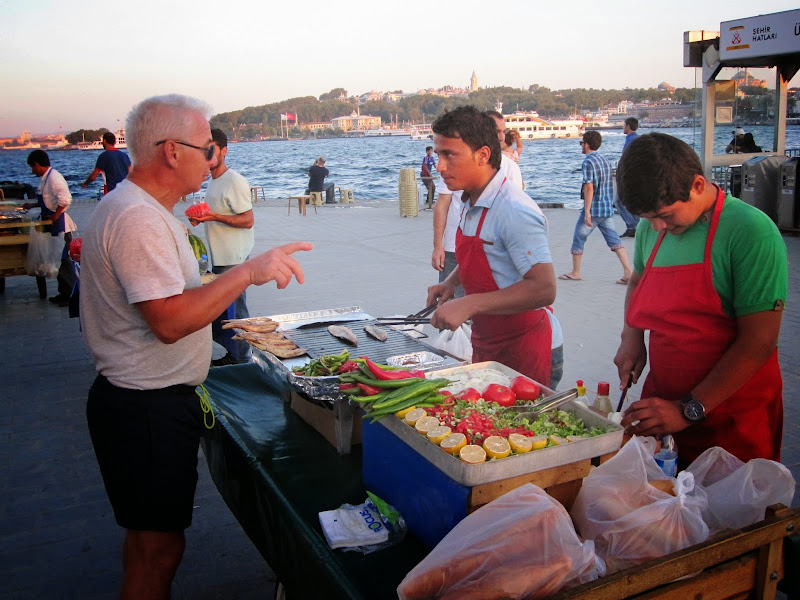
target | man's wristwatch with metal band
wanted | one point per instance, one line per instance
(693, 410)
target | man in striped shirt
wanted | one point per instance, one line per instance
(597, 193)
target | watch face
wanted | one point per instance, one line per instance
(694, 411)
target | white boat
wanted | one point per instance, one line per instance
(386, 132)
(98, 144)
(422, 133)
(531, 126)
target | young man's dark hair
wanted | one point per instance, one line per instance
(219, 137)
(475, 128)
(39, 157)
(656, 170)
(109, 138)
(632, 122)
(592, 139)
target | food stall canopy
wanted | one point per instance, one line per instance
(771, 40)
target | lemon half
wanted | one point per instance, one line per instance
(453, 443)
(520, 443)
(415, 415)
(437, 434)
(496, 446)
(539, 442)
(472, 454)
(425, 424)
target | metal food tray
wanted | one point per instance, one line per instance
(514, 465)
(418, 360)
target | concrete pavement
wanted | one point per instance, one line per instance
(58, 538)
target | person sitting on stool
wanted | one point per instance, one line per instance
(317, 174)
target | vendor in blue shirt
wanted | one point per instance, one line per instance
(504, 261)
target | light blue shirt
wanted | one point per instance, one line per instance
(515, 226)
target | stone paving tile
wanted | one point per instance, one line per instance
(58, 538)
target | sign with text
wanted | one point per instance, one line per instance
(764, 35)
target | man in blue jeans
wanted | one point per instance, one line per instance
(631, 221)
(597, 193)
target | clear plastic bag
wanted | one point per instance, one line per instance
(739, 493)
(364, 528)
(520, 546)
(44, 253)
(624, 508)
(458, 342)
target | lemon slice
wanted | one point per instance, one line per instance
(401, 414)
(453, 443)
(575, 438)
(472, 454)
(520, 443)
(415, 415)
(557, 440)
(539, 442)
(425, 424)
(437, 434)
(496, 446)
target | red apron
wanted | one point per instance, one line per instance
(689, 333)
(521, 341)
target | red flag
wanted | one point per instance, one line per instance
(290, 117)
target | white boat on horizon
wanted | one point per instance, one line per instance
(531, 126)
(387, 132)
(98, 144)
(422, 133)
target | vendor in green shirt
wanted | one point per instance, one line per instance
(710, 282)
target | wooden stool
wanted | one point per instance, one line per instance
(254, 193)
(317, 199)
(301, 204)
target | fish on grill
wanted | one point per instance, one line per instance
(376, 332)
(255, 324)
(274, 343)
(343, 333)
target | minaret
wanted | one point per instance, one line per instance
(473, 82)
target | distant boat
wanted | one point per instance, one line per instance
(386, 132)
(422, 133)
(531, 126)
(98, 144)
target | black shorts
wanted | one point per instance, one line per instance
(146, 443)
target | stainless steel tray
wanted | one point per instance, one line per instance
(521, 464)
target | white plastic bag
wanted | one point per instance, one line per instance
(44, 253)
(629, 518)
(458, 342)
(739, 493)
(522, 545)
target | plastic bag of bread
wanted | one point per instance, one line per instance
(739, 493)
(520, 546)
(634, 512)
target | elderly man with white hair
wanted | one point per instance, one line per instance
(146, 321)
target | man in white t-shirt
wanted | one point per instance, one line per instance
(146, 320)
(446, 215)
(229, 230)
(509, 168)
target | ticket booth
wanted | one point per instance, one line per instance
(788, 200)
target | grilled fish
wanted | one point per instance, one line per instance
(376, 332)
(343, 333)
(255, 324)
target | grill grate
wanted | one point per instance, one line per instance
(318, 342)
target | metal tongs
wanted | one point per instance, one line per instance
(533, 411)
(418, 318)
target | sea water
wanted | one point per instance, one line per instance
(371, 166)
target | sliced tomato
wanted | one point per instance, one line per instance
(525, 389)
(500, 394)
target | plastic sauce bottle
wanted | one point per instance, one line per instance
(581, 392)
(202, 263)
(667, 457)
(603, 403)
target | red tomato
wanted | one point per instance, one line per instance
(500, 394)
(469, 395)
(525, 389)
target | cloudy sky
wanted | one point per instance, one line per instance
(84, 63)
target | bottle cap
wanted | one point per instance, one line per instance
(603, 388)
(579, 383)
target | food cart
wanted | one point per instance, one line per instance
(14, 237)
(277, 473)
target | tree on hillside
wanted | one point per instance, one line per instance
(85, 135)
(334, 94)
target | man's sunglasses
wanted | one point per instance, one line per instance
(209, 150)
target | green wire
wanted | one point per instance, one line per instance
(205, 404)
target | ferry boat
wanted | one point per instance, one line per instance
(422, 133)
(531, 126)
(386, 132)
(98, 144)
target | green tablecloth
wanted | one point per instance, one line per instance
(277, 474)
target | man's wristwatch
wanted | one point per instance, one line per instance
(693, 410)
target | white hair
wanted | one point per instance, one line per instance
(159, 118)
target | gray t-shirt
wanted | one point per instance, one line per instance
(229, 194)
(135, 250)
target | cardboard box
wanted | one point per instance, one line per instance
(340, 424)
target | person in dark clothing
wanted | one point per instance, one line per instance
(749, 144)
(316, 183)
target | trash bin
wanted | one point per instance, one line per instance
(409, 194)
(788, 199)
(760, 183)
